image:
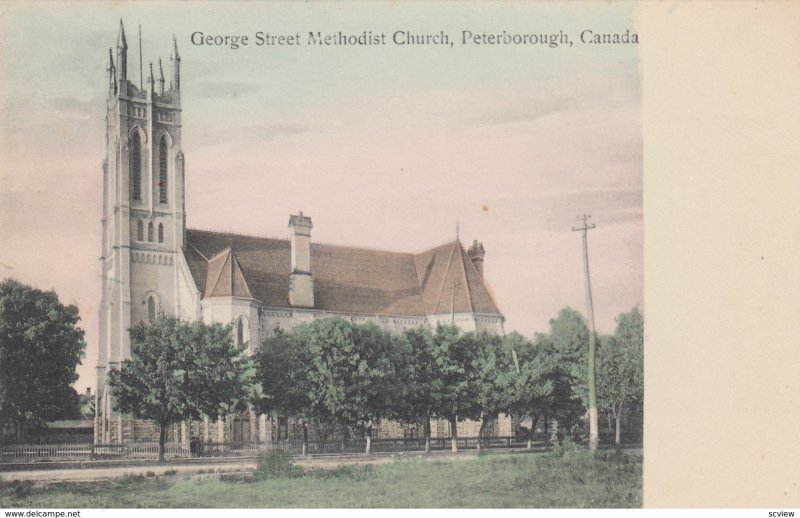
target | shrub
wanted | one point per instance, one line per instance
(346, 471)
(566, 445)
(276, 464)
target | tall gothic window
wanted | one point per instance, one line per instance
(150, 231)
(136, 166)
(160, 232)
(151, 309)
(162, 170)
(140, 230)
(240, 332)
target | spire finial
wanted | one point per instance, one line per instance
(458, 230)
(160, 78)
(150, 78)
(112, 72)
(121, 41)
(175, 82)
(122, 54)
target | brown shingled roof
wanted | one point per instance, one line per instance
(225, 277)
(346, 279)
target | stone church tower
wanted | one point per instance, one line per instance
(143, 225)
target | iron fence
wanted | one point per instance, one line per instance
(149, 450)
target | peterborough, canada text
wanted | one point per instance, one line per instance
(408, 38)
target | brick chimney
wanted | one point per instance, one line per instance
(476, 253)
(301, 281)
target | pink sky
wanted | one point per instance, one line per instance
(382, 147)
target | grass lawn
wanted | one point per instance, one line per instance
(575, 479)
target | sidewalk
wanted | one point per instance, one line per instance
(227, 465)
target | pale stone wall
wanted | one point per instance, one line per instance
(230, 310)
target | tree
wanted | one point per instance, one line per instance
(498, 377)
(621, 368)
(40, 347)
(180, 371)
(564, 353)
(350, 373)
(281, 369)
(531, 385)
(422, 380)
(457, 357)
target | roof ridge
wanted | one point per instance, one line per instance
(218, 254)
(318, 242)
(419, 284)
(198, 251)
(239, 234)
(241, 272)
(360, 247)
(444, 279)
(466, 280)
(219, 275)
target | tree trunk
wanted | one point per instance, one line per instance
(345, 436)
(481, 429)
(162, 439)
(305, 438)
(534, 422)
(618, 429)
(368, 437)
(454, 434)
(427, 432)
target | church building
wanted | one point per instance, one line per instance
(153, 264)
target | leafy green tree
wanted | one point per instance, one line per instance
(458, 358)
(499, 378)
(281, 368)
(351, 373)
(40, 347)
(531, 383)
(564, 353)
(180, 371)
(422, 380)
(621, 368)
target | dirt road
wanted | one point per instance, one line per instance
(51, 476)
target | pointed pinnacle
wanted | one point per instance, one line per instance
(175, 47)
(160, 70)
(110, 59)
(151, 79)
(121, 41)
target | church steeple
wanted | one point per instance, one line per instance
(122, 53)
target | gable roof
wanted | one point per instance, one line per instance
(225, 277)
(346, 279)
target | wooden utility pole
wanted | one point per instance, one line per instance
(593, 433)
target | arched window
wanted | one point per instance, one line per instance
(160, 232)
(136, 166)
(240, 332)
(140, 230)
(151, 309)
(150, 231)
(162, 170)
